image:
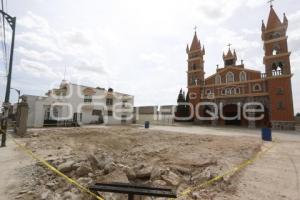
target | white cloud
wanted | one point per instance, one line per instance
(36, 40)
(239, 41)
(94, 66)
(254, 3)
(36, 68)
(37, 55)
(35, 22)
(294, 30)
(246, 31)
(75, 46)
(76, 38)
(215, 12)
(155, 61)
(294, 17)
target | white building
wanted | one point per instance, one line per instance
(72, 104)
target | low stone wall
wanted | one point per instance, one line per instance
(281, 125)
(297, 119)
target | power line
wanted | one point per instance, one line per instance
(6, 61)
(2, 43)
(4, 38)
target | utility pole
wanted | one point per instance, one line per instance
(12, 23)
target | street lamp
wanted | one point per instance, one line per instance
(19, 93)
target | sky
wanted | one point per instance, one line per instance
(136, 46)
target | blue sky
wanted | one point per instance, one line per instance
(135, 46)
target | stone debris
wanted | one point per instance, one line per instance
(66, 167)
(130, 173)
(159, 183)
(70, 196)
(83, 170)
(172, 178)
(85, 181)
(144, 172)
(155, 165)
(182, 170)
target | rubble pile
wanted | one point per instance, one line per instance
(46, 185)
(140, 164)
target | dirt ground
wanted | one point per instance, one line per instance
(276, 175)
(129, 154)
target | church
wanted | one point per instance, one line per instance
(234, 85)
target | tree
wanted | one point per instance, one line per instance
(182, 110)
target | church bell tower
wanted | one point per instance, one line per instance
(278, 71)
(195, 72)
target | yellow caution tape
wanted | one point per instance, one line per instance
(49, 166)
(231, 171)
(183, 193)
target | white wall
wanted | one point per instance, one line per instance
(158, 120)
(73, 102)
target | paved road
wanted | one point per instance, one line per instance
(230, 131)
(276, 176)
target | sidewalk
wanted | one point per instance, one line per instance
(274, 176)
(11, 158)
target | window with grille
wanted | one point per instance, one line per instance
(88, 98)
(109, 101)
(109, 113)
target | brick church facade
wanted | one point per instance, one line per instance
(235, 84)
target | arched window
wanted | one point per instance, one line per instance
(280, 66)
(208, 91)
(229, 77)
(218, 79)
(237, 90)
(232, 91)
(228, 91)
(223, 92)
(277, 68)
(243, 76)
(196, 82)
(276, 49)
(256, 87)
(192, 80)
(194, 66)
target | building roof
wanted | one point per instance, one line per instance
(230, 55)
(273, 20)
(230, 68)
(195, 43)
(98, 88)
